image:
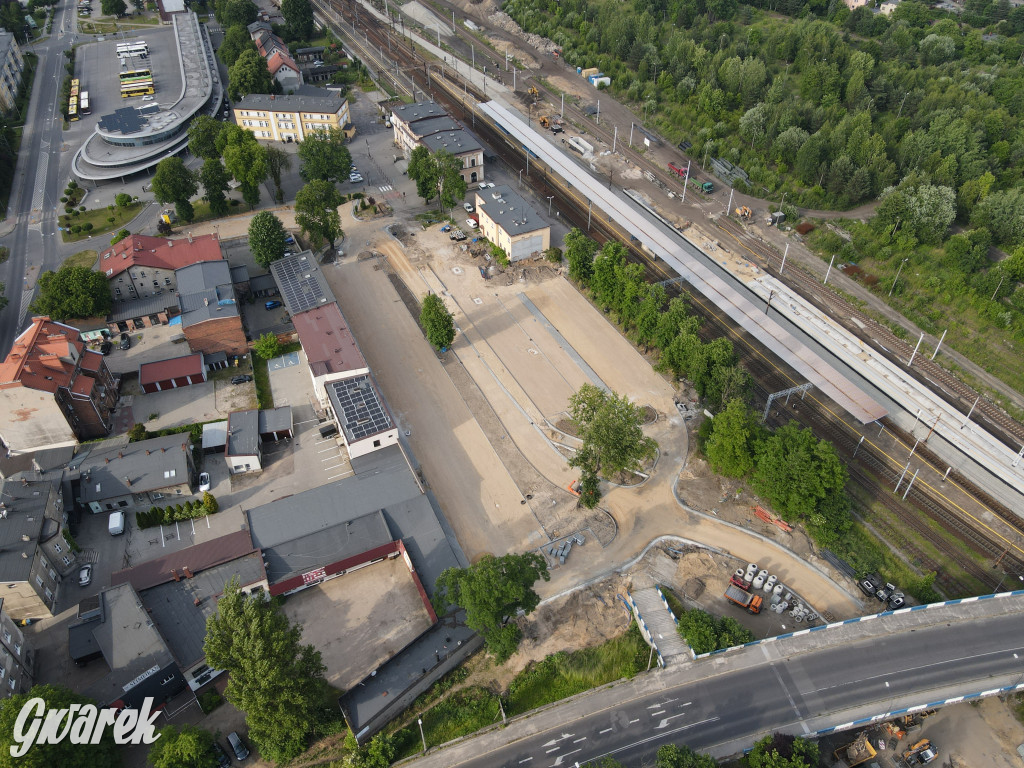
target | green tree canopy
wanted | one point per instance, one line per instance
(796, 471)
(681, 756)
(609, 427)
(730, 448)
(316, 212)
(437, 173)
(72, 292)
(246, 160)
(323, 155)
(298, 17)
(249, 74)
(113, 7)
(236, 40)
(63, 754)
(214, 178)
(579, 252)
(174, 183)
(233, 13)
(491, 592)
(780, 750)
(274, 679)
(437, 321)
(202, 137)
(266, 238)
(277, 161)
(185, 747)
(267, 346)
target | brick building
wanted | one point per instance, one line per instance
(210, 318)
(53, 391)
(140, 267)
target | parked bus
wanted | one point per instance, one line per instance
(83, 104)
(74, 87)
(73, 108)
(128, 91)
(141, 80)
(133, 74)
(126, 50)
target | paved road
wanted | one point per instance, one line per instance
(724, 704)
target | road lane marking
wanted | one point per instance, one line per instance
(526, 760)
(653, 738)
(553, 749)
(659, 712)
(665, 720)
(563, 738)
(562, 757)
(634, 721)
(606, 730)
(577, 741)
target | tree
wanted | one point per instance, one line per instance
(120, 235)
(202, 137)
(185, 747)
(174, 183)
(122, 199)
(274, 679)
(796, 471)
(278, 160)
(64, 754)
(681, 756)
(73, 292)
(609, 428)
(249, 74)
(236, 40)
(491, 592)
(214, 179)
(246, 160)
(730, 448)
(697, 628)
(579, 252)
(137, 432)
(267, 346)
(316, 211)
(298, 17)
(437, 321)
(423, 171)
(266, 238)
(780, 750)
(232, 13)
(113, 7)
(324, 156)
(437, 174)
(210, 504)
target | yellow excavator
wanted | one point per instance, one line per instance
(532, 90)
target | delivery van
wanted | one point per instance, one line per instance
(116, 523)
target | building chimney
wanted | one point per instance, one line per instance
(106, 461)
(174, 575)
(187, 572)
(147, 451)
(127, 481)
(170, 243)
(206, 302)
(120, 455)
(190, 236)
(184, 446)
(163, 450)
(197, 602)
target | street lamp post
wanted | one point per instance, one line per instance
(550, 198)
(897, 275)
(422, 737)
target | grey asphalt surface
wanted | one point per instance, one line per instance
(799, 685)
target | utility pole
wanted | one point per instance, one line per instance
(937, 346)
(728, 207)
(631, 125)
(615, 138)
(562, 113)
(897, 276)
(598, 111)
(784, 259)
(829, 270)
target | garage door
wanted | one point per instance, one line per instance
(524, 248)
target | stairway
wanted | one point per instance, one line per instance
(660, 623)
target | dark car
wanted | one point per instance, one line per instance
(241, 379)
(272, 305)
(105, 347)
(126, 341)
(223, 761)
(238, 746)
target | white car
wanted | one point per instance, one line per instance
(471, 224)
(85, 575)
(469, 207)
(204, 481)
(486, 185)
(148, 98)
(355, 178)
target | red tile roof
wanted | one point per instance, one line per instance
(92, 361)
(161, 370)
(43, 356)
(196, 558)
(158, 252)
(278, 59)
(327, 341)
(83, 386)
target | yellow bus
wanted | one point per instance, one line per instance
(138, 89)
(73, 108)
(131, 74)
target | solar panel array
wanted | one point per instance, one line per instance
(301, 283)
(124, 120)
(359, 410)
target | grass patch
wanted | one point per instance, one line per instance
(203, 213)
(564, 674)
(98, 217)
(260, 372)
(465, 711)
(86, 258)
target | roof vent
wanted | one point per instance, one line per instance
(120, 455)
(174, 575)
(187, 572)
(25, 537)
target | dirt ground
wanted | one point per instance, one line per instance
(344, 619)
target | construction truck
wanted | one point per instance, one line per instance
(743, 212)
(921, 753)
(702, 186)
(743, 599)
(860, 751)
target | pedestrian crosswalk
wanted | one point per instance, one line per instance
(385, 188)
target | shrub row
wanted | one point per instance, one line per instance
(187, 511)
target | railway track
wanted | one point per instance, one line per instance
(458, 98)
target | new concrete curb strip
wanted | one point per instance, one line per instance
(871, 617)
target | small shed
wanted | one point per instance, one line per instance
(275, 424)
(173, 373)
(215, 437)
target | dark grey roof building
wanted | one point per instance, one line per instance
(116, 474)
(302, 284)
(205, 292)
